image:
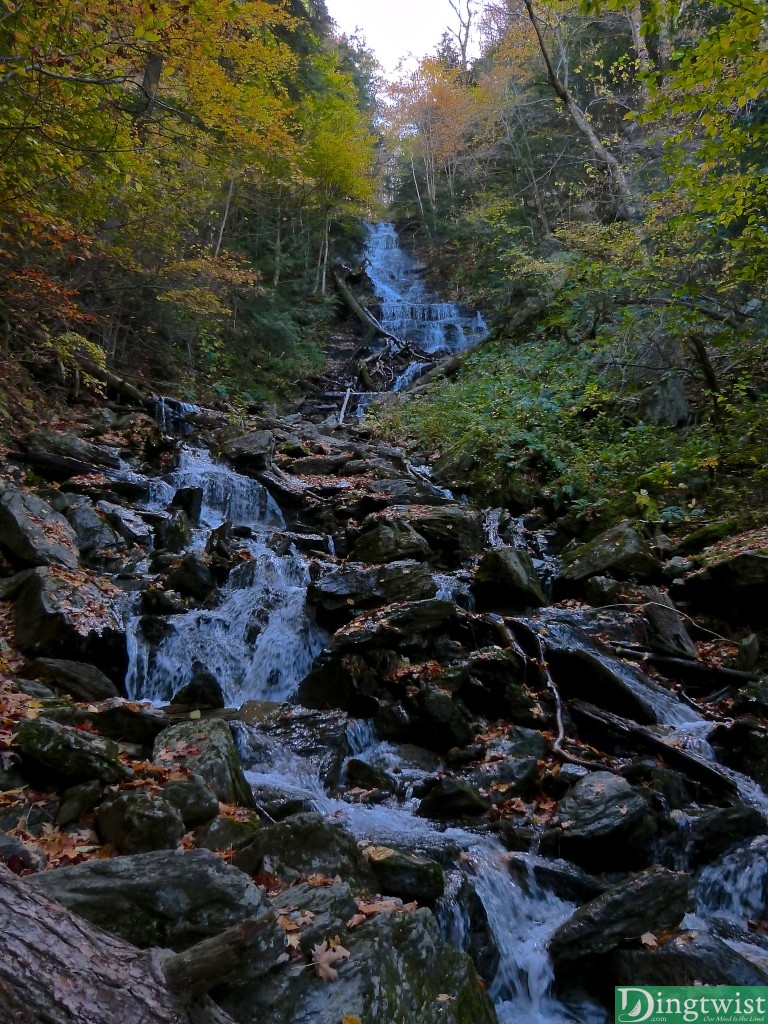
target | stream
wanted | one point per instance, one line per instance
(260, 641)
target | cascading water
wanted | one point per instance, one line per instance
(259, 641)
(407, 312)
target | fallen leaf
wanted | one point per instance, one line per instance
(324, 956)
(649, 940)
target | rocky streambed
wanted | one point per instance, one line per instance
(345, 748)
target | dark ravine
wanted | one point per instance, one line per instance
(460, 743)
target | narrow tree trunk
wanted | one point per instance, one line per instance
(56, 967)
(225, 215)
(619, 184)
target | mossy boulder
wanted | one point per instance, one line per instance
(193, 799)
(140, 823)
(306, 844)
(70, 753)
(620, 552)
(505, 579)
(652, 901)
(166, 898)
(32, 532)
(344, 593)
(398, 970)
(206, 748)
(406, 875)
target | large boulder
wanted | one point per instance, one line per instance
(734, 584)
(453, 798)
(206, 748)
(496, 687)
(94, 534)
(140, 823)
(653, 901)
(62, 613)
(252, 451)
(71, 754)
(81, 681)
(506, 580)
(345, 592)
(192, 577)
(605, 823)
(406, 875)
(165, 898)
(129, 524)
(452, 533)
(681, 958)
(32, 532)
(304, 845)
(620, 552)
(398, 970)
(119, 719)
(70, 446)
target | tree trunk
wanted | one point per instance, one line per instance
(56, 968)
(619, 184)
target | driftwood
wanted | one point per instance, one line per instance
(366, 318)
(690, 764)
(669, 635)
(122, 387)
(58, 968)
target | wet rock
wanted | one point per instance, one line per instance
(229, 833)
(565, 880)
(32, 532)
(451, 532)
(453, 798)
(735, 886)
(317, 465)
(202, 692)
(175, 532)
(190, 501)
(164, 898)
(495, 687)
(116, 718)
(71, 615)
(693, 957)
(743, 745)
(140, 823)
(193, 799)
(93, 532)
(341, 594)
(383, 542)
(318, 736)
(605, 823)
(652, 901)
(394, 722)
(129, 524)
(252, 451)
(192, 577)
(78, 800)
(403, 626)
(506, 777)
(582, 668)
(712, 833)
(370, 776)
(506, 580)
(206, 748)
(20, 857)
(81, 681)
(735, 586)
(619, 552)
(405, 875)
(442, 723)
(304, 845)
(70, 753)
(398, 970)
(69, 446)
(464, 924)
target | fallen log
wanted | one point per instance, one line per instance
(122, 387)
(668, 633)
(58, 968)
(689, 763)
(366, 318)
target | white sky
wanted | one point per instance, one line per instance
(394, 28)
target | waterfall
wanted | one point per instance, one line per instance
(407, 311)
